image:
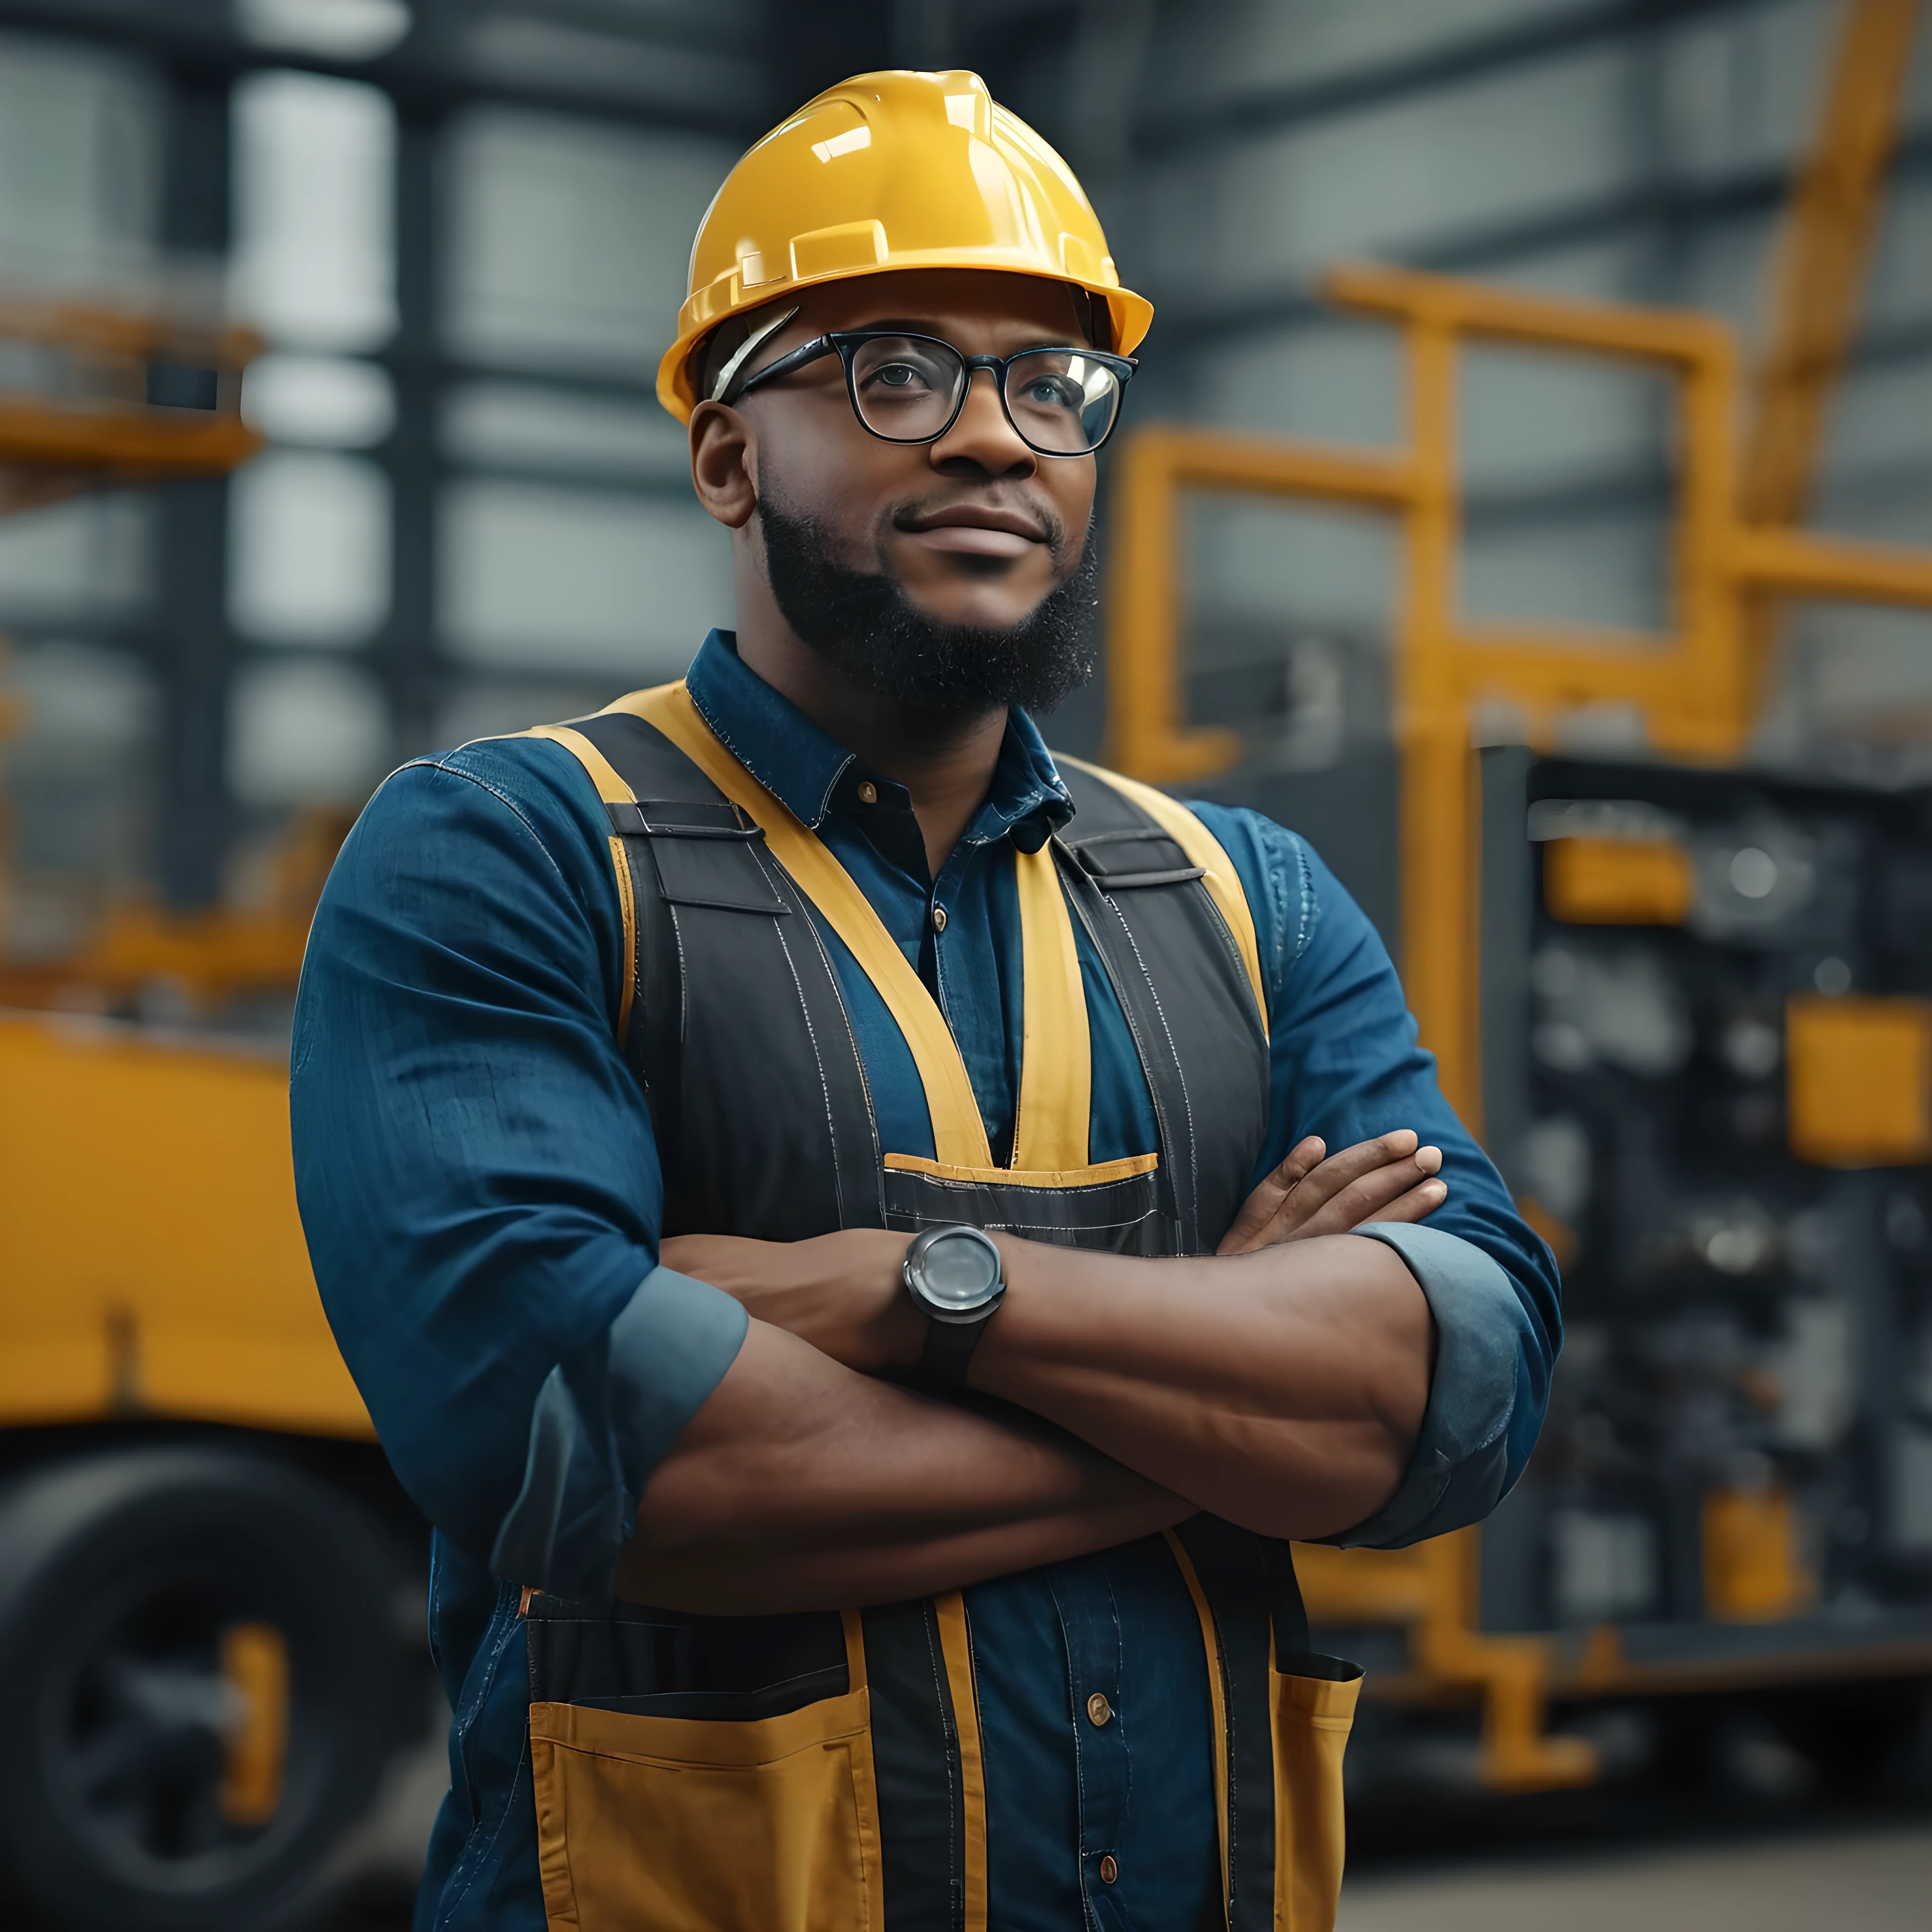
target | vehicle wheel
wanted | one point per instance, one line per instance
(1857, 1735)
(199, 1685)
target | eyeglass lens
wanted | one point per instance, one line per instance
(1062, 403)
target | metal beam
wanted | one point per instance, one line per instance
(1751, 193)
(555, 67)
(1162, 135)
(405, 652)
(193, 810)
(1819, 281)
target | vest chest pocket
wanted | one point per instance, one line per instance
(651, 1817)
(1114, 1205)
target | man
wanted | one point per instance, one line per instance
(790, 1572)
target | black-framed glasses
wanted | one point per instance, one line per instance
(911, 388)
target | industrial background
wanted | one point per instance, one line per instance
(1526, 493)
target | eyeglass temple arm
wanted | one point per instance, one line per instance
(744, 349)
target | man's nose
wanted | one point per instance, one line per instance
(982, 435)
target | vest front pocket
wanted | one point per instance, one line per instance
(1311, 1716)
(1114, 1205)
(662, 1824)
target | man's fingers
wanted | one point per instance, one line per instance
(1368, 1196)
(1374, 1199)
(1302, 1158)
(1261, 1208)
(1308, 1195)
(1421, 1201)
(1323, 1183)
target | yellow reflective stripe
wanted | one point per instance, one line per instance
(959, 1133)
(627, 903)
(1123, 1169)
(1205, 850)
(855, 1649)
(1056, 1065)
(956, 1646)
(1217, 1691)
(612, 790)
(865, 1778)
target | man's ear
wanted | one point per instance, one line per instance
(724, 464)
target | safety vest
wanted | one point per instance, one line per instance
(822, 1772)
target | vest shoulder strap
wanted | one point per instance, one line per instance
(707, 914)
(1164, 906)
(1102, 798)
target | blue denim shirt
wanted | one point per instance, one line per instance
(482, 1197)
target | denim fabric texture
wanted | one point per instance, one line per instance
(482, 1197)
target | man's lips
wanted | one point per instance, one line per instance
(974, 530)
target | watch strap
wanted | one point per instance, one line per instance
(949, 1348)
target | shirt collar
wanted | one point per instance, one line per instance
(803, 767)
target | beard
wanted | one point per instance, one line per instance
(863, 623)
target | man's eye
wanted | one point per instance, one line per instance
(1053, 392)
(899, 376)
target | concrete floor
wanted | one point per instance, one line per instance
(1864, 1881)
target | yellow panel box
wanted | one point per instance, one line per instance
(1617, 881)
(1859, 1074)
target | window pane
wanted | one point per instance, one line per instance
(579, 580)
(318, 399)
(570, 244)
(349, 30)
(79, 163)
(78, 792)
(309, 548)
(520, 426)
(89, 559)
(314, 167)
(306, 732)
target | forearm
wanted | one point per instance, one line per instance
(802, 1485)
(1283, 1390)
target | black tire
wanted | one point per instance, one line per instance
(119, 1573)
(1856, 1736)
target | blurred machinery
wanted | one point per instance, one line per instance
(209, 1614)
(1691, 1007)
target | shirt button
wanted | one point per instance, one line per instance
(1109, 1871)
(869, 793)
(1100, 1710)
(939, 919)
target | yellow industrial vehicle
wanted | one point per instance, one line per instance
(209, 1581)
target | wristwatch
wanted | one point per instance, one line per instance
(955, 1274)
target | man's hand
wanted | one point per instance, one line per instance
(843, 1292)
(1387, 1179)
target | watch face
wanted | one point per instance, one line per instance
(960, 1270)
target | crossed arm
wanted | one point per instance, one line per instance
(1281, 1384)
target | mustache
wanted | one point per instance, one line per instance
(906, 516)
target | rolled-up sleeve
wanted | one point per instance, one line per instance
(1463, 1466)
(1345, 1064)
(476, 1172)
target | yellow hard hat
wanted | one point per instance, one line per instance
(895, 170)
